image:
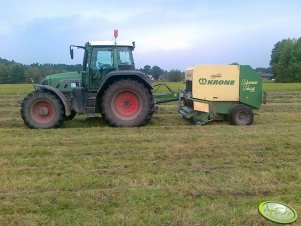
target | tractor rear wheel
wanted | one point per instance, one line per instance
(127, 103)
(42, 110)
(241, 115)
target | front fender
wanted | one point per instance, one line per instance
(58, 93)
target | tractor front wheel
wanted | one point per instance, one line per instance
(42, 110)
(241, 115)
(127, 103)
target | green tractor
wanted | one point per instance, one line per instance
(108, 84)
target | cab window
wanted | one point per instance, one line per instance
(125, 56)
(102, 57)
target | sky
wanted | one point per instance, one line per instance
(172, 34)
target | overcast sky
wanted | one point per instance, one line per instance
(170, 34)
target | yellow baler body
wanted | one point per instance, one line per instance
(215, 82)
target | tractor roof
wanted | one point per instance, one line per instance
(109, 43)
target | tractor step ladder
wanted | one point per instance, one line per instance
(90, 105)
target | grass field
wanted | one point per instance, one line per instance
(166, 173)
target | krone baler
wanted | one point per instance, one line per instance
(219, 92)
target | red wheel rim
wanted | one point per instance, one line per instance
(126, 105)
(42, 111)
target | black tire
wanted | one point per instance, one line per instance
(127, 103)
(42, 110)
(70, 117)
(241, 115)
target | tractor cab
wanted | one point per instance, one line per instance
(102, 57)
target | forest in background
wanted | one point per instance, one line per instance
(286, 60)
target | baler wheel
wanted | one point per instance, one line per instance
(241, 115)
(42, 110)
(127, 103)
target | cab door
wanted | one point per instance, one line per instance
(101, 63)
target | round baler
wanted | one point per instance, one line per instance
(219, 92)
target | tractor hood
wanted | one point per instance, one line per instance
(65, 82)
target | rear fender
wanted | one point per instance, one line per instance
(58, 94)
(131, 74)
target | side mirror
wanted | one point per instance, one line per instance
(134, 44)
(71, 53)
(71, 50)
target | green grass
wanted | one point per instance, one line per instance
(166, 173)
(19, 89)
(281, 86)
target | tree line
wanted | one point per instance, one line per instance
(12, 72)
(157, 73)
(286, 60)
